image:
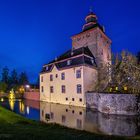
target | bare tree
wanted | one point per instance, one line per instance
(123, 72)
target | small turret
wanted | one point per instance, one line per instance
(91, 21)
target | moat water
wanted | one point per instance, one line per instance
(75, 117)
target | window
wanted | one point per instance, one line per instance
(92, 61)
(51, 77)
(80, 99)
(42, 113)
(79, 123)
(73, 111)
(47, 68)
(51, 89)
(41, 78)
(72, 99)
(102, 52)
(63, 89)
(51, 115)
(56, 75)
(63, 76)
(79, 88)
(80, 113)
(66, 110)
(78, 74)
(63, 119)
(42, 89)
(68, 62)
(66, 99)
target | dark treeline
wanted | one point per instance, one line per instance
(138, 57)
(12, 80)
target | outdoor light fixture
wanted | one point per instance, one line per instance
(2, 99)
(27, 86)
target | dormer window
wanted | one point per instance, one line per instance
(68, 62)
(47, 68)
(92, 61)
(71, 53)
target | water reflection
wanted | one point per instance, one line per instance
(12, 104)
(21, 107)
(76, 117)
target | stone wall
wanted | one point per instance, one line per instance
(123, 104)
(32, 96)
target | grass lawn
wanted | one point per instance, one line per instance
(13, 126)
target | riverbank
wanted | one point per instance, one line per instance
(13, 126)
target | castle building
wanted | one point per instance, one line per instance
(66, 79)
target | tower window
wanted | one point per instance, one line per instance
(51, 89)
(63, 89)
(79, 89)
(41, 78)
(42, 89)
(78, 74)
(102, 52)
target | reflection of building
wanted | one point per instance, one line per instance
(66, 79)
(67, 116)
(92, 121)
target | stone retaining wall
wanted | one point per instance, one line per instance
(32, 96)
(122, 104)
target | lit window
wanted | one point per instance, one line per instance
(51, 77)
(63, 76)
(42, 89)
(78, 74)
(68, 62)
(41, 78)
(79, 88)
(63, 89)
(51, 89)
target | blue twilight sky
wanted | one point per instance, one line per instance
(32, 32)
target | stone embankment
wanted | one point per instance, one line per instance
(122, 104)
